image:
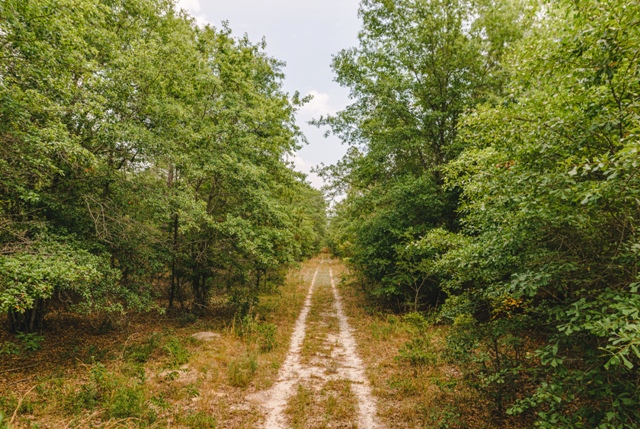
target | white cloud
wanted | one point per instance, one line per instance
(320, 105)
(305, 167)
(189, 5)
(192, 7)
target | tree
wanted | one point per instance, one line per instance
(419, 66)
(139, 149)
(549, 189)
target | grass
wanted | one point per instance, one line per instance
(321, 321)
(323, 401)
(404, 355)
(331, 406)
(152, 374)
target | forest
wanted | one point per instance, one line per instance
(492, 183)
(140, 150)
(488, 199)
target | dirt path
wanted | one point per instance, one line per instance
(322, 382)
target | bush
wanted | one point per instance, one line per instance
(9, 348)
(4, 424)
(121, 397)
(179, 355)
(141, 352)
(419, 351)
(30, 341)
(124, 402)
(262, 334)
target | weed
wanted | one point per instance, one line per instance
(267, 336)
(135, 370)
(141, 352)
(125, 402)
(172, 375)
(418, 351)
(90, 393)
(31, 342)
(186, 319)
(340, 403)
(242, 370)
(406, 386)
(199, 420)
(415, 321)
(94, 353)
(298, 409)
(4, 424)
(160, 402)
(114, 393)
(261, 333)
(26, 407)
(9, 348)
(88, 397)
(177, 351)
(192, 391)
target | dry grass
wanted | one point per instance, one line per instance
(425, 392)
(152, 373)
(323, 401)
(322, 322)
(331, 406)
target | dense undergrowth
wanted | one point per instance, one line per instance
(492, 181)
(152, 372)
(143, 162)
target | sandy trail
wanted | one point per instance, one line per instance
(346, 365)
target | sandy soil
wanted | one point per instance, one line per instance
(341, 363)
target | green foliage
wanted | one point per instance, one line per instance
(133, 151)
(31, 342)
(9, 348)
(141, 353)
(125, 402)
(120, 398)
(241, 370)
(524, 216)
(549, 210)
(418, 67)
(199, 420)
(418, 351)
(4, 424)
(263, 334)
(177, 352)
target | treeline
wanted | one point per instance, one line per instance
(141, 157)
(493, 180)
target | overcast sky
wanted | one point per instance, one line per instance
(305, 34)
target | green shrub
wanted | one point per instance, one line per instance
(124, 402)
(418, 351)
(188, 318)
(4, 423)
(262, 334)
(267, 336)
(141, 352)
(31, 342)
(9, 348)
(179, 355)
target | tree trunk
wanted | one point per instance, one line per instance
(172, 294)
(31, 320)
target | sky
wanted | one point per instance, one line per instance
(305, 34)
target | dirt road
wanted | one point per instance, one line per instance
(322, 382)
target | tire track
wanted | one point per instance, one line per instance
(293, 372)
